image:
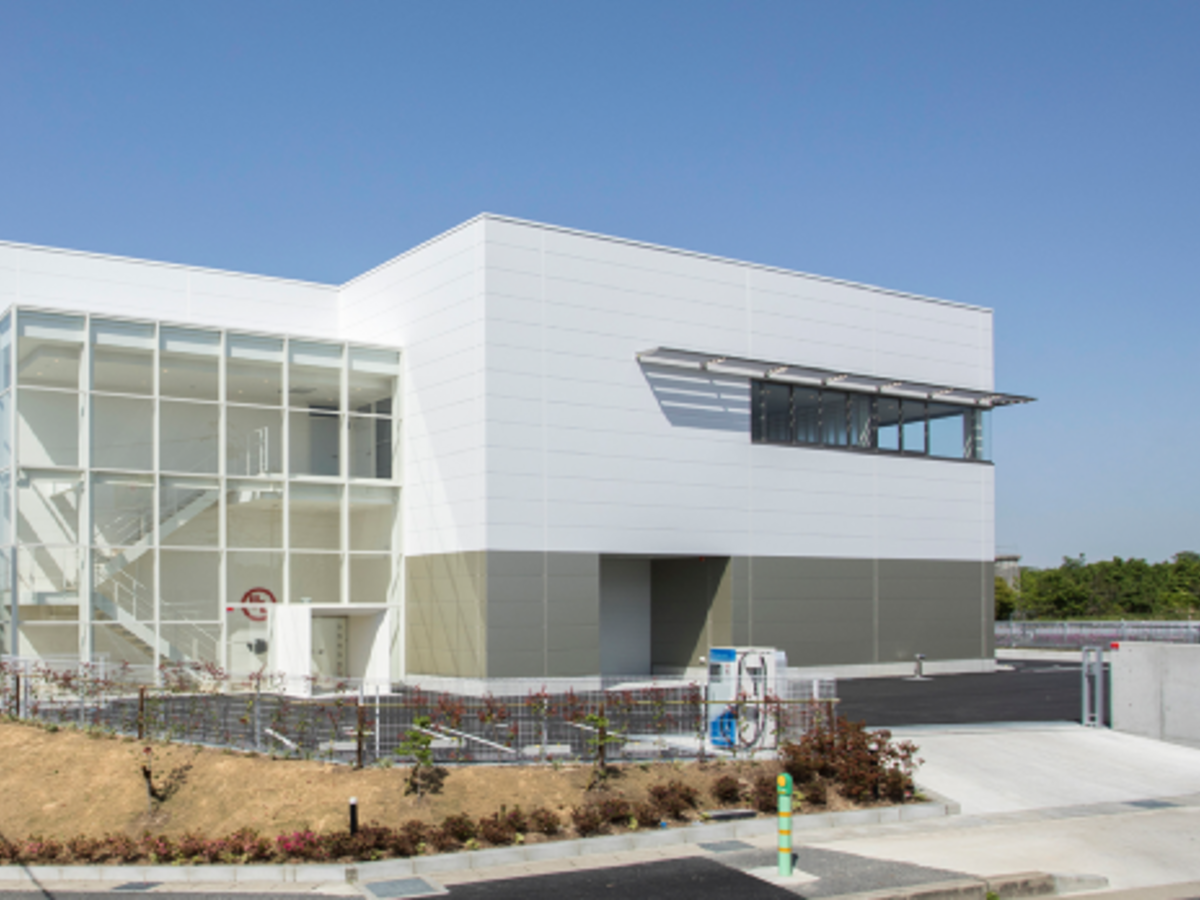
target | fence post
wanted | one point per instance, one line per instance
(257, 720)
(141, 718)
(17, 692)
(376, 725)
(360, 714)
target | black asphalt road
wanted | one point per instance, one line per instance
(1031, 692)
(685, 879)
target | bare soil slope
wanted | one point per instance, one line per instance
(64, 783)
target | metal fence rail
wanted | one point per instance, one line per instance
(518, 721)
(1077, 635)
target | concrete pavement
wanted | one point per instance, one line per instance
(1062, 799)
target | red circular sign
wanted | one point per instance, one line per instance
(256, 595)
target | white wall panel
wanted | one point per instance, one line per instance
(429, 302)
(588, 445)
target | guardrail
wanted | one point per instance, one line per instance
(1075, 635)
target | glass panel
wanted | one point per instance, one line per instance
(122, 357)
(48, 428)
(5, 375)
(315, 447)
(49, 348)
(373, 378)
(370, 447)
(977, 434)
(47, 576)
(373, 516)
(189, 586)
(122, 433)
(914, 426)
(777, 413)
(946, 430)
(6, 634)
(189, 434)
(254, 510)
(370, 579)
(6, 516)
(49, 642)
(48, 507)
(833, 418)
(912, 441)
(254, 370)
(188, 363)
(116, 644)
(123, 588)
(889, 424)
(191, 643)
(122, 510)
(254, 578)
(316, 516)
(316, 578)
(316, 375)
(6, 455)
(253, 441)
(808, 414)
(862, 434)
(188, 512)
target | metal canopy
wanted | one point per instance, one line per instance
(790, 373)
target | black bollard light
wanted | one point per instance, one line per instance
(353, 815)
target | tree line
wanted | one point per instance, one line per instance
(1112, 589)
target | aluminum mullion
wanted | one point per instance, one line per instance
(83, 538)
(222, 502)
(344, 472)
(286, 468)
(156, 500)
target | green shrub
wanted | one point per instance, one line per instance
(865, 765)
(460, 826)
(497, 829)
(545, 821)
(764, 794)
(588, 820)
(674, 798)
(647, 815)
(727, 789)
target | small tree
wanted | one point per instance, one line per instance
(417, 745)
(599, 741)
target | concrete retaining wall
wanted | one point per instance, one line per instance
(1156, 690)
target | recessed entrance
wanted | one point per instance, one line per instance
(329, 640)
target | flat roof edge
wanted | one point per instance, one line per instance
(141, 261)
(727, 260)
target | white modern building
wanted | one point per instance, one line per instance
(516, 450)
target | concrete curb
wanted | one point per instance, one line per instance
(1006, 887)
(468, 859)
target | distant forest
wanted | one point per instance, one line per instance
(1114, 589)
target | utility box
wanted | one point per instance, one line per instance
(742, 683)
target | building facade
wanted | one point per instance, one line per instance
(516, 450)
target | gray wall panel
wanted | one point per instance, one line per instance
(539, 614)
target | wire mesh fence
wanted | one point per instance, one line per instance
(511, 721)
(1080, 634)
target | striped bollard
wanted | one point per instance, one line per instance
(784, 786)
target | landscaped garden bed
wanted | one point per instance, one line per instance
(77, 797)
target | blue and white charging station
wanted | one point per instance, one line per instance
(740, 682)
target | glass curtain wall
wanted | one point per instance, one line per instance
(881, 423)
(166, 479)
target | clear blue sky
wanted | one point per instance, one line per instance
(1042, 159)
